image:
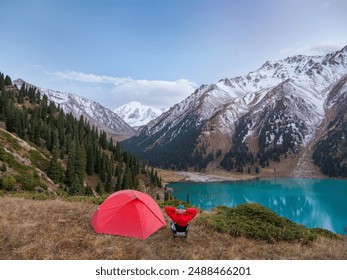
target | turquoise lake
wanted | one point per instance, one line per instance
(310, 202)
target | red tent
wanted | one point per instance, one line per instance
(128, 213)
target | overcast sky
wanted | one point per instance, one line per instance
(158, 52)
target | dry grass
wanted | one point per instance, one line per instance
(56, 229)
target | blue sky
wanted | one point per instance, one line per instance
(157, 52)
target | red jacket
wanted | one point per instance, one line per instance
(182, 219)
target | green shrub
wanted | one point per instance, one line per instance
(10, 139)
(3, 167)
(29, 182)
(38, 159)
(325, 232)
(12, 162)
(7, 183)
(258, 222)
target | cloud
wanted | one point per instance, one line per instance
(89, 78)
(115, 91)
(156, 93)
(324, 48)
(318, 49)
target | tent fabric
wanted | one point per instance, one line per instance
(128, 213)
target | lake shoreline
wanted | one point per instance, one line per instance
(209, 178)
(170, 176)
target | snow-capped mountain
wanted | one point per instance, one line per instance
(97, 115)
(136, 114)
(273, 110)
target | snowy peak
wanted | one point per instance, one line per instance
(20, 82)
(97, 115)
(137, 114)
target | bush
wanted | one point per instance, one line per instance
(29, 182)
(7, 183)
(325, 232)
(12, 162)
(257, 222)
(3, 167)
(37, 159)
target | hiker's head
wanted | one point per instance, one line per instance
(180, 209)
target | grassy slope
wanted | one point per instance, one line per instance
(55, 229)
(25, 163)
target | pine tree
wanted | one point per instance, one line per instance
(127, 180)
(75, 187)
(20, 97)
(54, 169)
(98, 188)
(8, 81)
(80, 163)
(110, 145)
(108, 183)
(97, 161)
(117, 155)
(71, 167)
(48, 137)
(119, 169)
(81, 127)
(37, 136)
(90, 160)
(111, 165)
(102, 171)
(103, 140)
(10, 120)
(2, 82)
(119, 183)
(75, 170)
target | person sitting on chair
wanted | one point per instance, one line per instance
(180, 217)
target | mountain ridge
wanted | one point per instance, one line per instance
(279, 106)
(137, 115)
(94, 112)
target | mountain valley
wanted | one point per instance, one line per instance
(284, 109)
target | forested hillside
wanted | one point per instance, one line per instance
(330, 152)
(285, 115)
(76, 156)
